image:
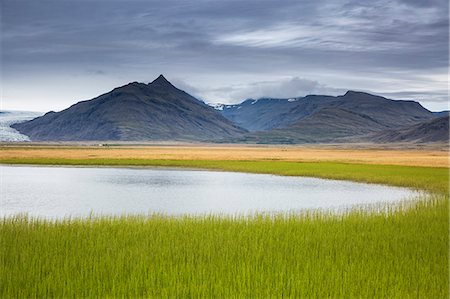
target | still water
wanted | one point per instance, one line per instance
(56, 192)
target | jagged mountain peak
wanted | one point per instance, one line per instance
(161, 80)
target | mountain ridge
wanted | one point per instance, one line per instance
(352, 117)
(267, 113)
(133, 112)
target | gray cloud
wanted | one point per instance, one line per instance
(437, 98)
(285, 88)
(226, 49)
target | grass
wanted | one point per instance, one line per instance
(399, 254)
(436, 157)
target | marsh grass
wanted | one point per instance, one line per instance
(399, 252)
(403, 253)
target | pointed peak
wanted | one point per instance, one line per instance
(352, 92)
(161, 80)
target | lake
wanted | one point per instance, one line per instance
(56, 192)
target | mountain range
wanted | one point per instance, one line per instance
(352, 117)
(159, 111)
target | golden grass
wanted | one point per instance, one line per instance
(410, 157)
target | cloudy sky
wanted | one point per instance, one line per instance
(55, 53)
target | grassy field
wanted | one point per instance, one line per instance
(403, 253)
(432, 157)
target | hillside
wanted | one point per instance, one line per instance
(134, 112)
(441, 113)
(436, 130)
(352, 117)
(267, 114)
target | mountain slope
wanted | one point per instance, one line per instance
(330, 124)
(436, 130)
(268, 114)
(441, 113)
(326, 119)
(134, 112)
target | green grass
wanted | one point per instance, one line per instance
(402, 253)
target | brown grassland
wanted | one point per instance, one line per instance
(408, 157)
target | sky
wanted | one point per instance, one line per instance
(56, 53)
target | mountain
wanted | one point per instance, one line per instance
(261, 114)
(267, 114)
(441, 113)
(134, 112)
(318, 118)
(435, 130)
(328, 125)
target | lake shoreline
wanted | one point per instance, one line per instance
(80, 191)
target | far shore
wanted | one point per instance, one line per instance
(438, 146)
(436, 155)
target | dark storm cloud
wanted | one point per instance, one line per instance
(332, 43)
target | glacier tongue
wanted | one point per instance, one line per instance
(7, 118)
